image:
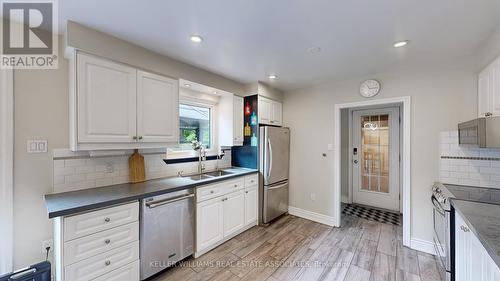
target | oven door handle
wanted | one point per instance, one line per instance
(437, 206)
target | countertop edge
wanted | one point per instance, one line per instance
(493, 254)
(99, 205)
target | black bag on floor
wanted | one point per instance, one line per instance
(36, 272)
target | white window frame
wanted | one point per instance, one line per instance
(6, 169)
(213, 150)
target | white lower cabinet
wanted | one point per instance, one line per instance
(98, 245)
(251, 205)
(224, 210)
(129, 272)
(210, 222)
(234, 212)
(472, 261)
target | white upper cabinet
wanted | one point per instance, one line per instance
(276, 113)
(238, 120)
(230, 120)
(115, 106)
(106, 101)
(270, 111)
(264, 107)
(157, 108)
(489, 90)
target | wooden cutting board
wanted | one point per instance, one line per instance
(136, 167)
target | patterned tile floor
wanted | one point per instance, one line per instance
(372, 214)
(293, 248)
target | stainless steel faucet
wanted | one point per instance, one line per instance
(202, 157)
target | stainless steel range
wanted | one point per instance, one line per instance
(443, 226)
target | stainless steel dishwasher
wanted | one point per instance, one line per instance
(167, 230)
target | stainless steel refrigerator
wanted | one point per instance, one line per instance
(274, 159)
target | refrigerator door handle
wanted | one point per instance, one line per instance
(270, 167)
(278, 186)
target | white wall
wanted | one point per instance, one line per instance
(41, 112)
(441, 97)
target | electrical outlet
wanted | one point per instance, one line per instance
(45, 244)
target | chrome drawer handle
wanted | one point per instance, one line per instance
(107, 241)
(107, 219)
(212, 192)
(235, 185)
(107, 263)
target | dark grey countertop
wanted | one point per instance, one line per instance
(68, 203)
(484, 221)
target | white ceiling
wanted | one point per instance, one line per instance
(247, 40)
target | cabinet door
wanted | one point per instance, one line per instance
(234, 212)
(106, 97)
(251, 204)
(264, 110)
(157, 108)
(276, 113)
(476, 258)
(495, 89)
(209, 223)
(237, 120)
(462, 250)
(484, 92)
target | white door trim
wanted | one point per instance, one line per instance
(6, 169)
(405, 152)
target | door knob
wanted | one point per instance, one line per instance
(355, 161)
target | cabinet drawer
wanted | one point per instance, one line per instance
(211, 191)
(208, 192)
(252, 180)
(93, 222)
(234, 185)
(130, 272)
(94, 267)
(91, 245)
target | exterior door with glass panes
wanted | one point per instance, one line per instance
(375, 158)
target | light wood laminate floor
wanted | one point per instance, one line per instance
(293, 248)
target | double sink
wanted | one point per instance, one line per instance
(207, 175)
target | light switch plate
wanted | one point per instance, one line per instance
(36, 146)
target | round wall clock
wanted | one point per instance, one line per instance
(369, 88)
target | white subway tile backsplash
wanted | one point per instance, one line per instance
(74, 162)
(82, 173)
(103, 182)
(58, 163)
(64, 171)
(74, 178)
(472, 171)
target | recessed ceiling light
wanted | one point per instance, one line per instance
(400, 44)
(273, 76)
(215, 92)
(314, 50)
(196, 38)
(187, 85)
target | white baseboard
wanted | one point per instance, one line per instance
(423, 246)
(344, 199)
(324, 219)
